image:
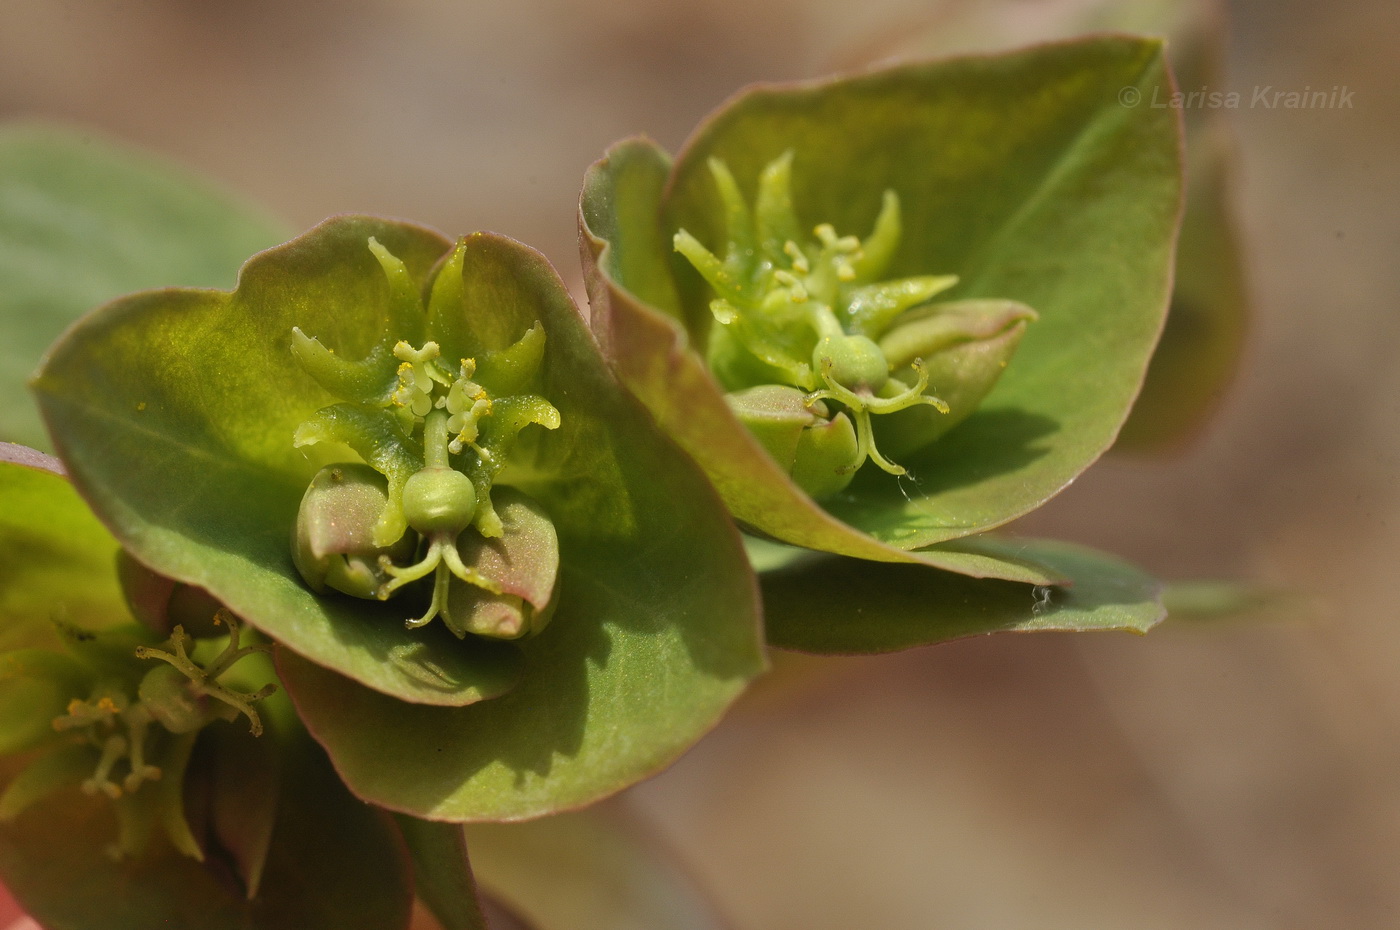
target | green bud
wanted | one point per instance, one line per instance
(522, 564)
(332, 541)
(776, 415)
(820, 454)
(828, 455)
(965, 345)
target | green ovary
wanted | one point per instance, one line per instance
(439, 433)
(809, 313)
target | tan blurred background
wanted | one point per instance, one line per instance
(1245, 776)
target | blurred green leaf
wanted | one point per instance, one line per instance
(442, 872)
(1199, 353)
(328, 851)
(1022, 173)
(588, 870)
(56, 561)
(83, 221)
(1205, 333)
(833, 605)
(1227, 602)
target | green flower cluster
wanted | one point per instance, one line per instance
(99, 715)
(804, 321)
(435, 436)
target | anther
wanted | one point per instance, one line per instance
(113, 749)
(138, 721)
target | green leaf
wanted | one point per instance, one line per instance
(656, 626)
(56, 560)
(200, 388)
(83, 221)
(1227, 602)
(327, 850)
(834, 605)
(1022, 174)
(244, 795)
(1200, 348)
(1205, 333)
(442, 872)
(587, 870)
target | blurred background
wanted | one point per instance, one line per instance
(1244, 775)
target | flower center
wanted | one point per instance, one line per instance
(808, 312)
(439, 432)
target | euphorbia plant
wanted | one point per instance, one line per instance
(883, 314)
(1021, 175)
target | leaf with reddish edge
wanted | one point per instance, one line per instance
(1022, 173)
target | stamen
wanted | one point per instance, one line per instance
(796, 290)
(468, 403)
(100, 709)
(113, 749)
(138, 721)
(799, 261)
(418, 374)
